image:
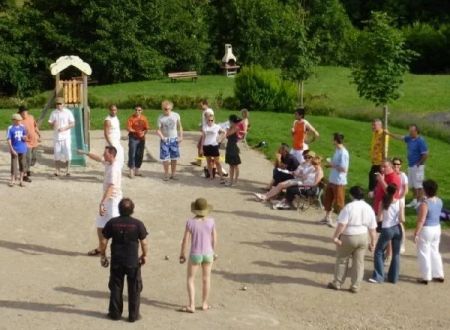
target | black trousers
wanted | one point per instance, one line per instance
(280, 177)
(372, 177)
(134, 283)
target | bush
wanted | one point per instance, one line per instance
(260, 89)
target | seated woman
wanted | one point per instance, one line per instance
(304, 175)
(307, 188)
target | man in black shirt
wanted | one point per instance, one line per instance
(126, 233)
(286, 161)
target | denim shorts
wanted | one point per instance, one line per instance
(201, 258)
(168, 150)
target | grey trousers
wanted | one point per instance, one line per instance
(353, 246)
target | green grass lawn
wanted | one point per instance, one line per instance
(275, 128)
(205, 86)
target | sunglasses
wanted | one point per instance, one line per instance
(397, 164)
(210, 120)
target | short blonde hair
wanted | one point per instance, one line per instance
(166, 103)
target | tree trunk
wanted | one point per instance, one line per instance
(385, 140)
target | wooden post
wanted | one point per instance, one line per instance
(57, 86)
(86, 112)
(385, 122)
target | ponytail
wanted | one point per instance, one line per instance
(388, 198)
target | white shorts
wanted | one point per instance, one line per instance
(416, 176)
(112, 211)
(62, 150)
(298, 153)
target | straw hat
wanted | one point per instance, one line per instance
(201, 207)
(59, 100)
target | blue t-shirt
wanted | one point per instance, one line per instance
(17, 136)
(340, 158)
(416, 148)
(434, 212)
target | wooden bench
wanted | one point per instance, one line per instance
(183, 75)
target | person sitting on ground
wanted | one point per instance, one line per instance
(201, 233)
(304, 175)
(307, 188)
(427, 235)
(354, 221)
(390, 215)
(285, 164)
(210, 146)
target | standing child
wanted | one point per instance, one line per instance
(232, 157)
(201, 232)
(16, 136)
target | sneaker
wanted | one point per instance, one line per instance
(325, 220)
(402, 250)
(438, 279)
(331, 224)
(260, 197)
(354, 290)
(421, 281)
(333, 286)
(413, 203)
(372, 280)
(26, 179)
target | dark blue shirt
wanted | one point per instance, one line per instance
(416, 148)
(17, 135)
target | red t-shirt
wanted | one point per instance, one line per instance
(379, 193)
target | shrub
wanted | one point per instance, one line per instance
(260, 89)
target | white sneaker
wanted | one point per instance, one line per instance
(413, 203)
(331, 224)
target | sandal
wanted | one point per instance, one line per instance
(94, 252)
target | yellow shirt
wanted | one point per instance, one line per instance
(377, 147)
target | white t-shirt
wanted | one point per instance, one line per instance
(404, 180)
(358, 216)
(113, 175)
(168, 125)
(206, 113)
(114, 129)
(211, 134)
(309, 175)
(61, 118)
(391, 216)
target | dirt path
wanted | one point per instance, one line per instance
(284, 258)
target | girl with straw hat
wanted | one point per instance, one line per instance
(201, 233)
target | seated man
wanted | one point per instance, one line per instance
(285, 164)
(301, 174)
(308, 187)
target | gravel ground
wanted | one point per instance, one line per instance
(283, 258)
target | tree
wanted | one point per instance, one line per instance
(300, 55)
(381, 60)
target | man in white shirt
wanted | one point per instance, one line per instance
(61, 120)
(206, 113)
(111, 131)
(112, 190)
(170, 132)
(355, 220)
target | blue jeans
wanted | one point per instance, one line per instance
(393, 234)
(136, 149)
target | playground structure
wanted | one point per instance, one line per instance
(75, 94)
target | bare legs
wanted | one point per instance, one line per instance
(206, 284)
(211, 161)
(173, 168)
(234, 173)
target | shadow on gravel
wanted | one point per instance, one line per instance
(265, 216)
(49, 308)
(34, 249)
(303, 236)
(285, 246)
(315, 267)
(105, 296)
(255, 278)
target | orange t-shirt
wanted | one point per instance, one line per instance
(298, 136)
(31, 127)
(139, 125)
